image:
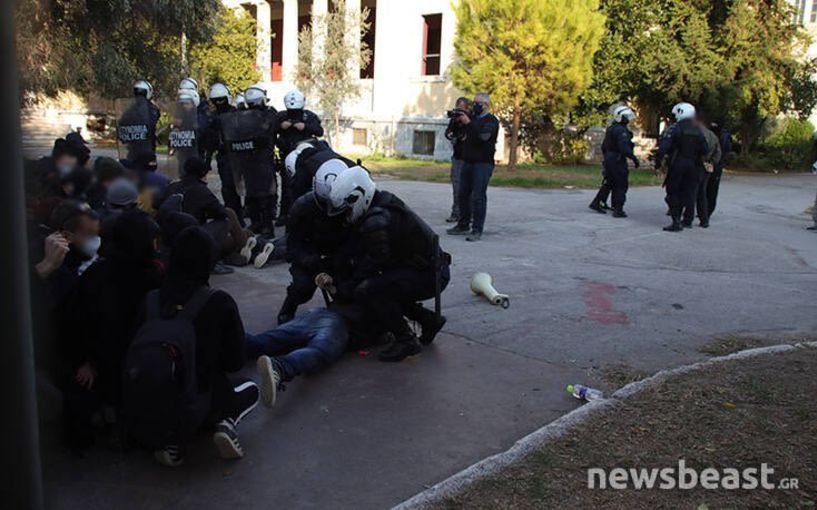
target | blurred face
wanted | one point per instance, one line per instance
(480, 105)
(462, 105)
(84, 237)
(65, 164)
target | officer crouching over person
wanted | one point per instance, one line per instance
(479, 148)
(617, 148)
(391, 265)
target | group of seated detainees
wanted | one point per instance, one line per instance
(145, 352)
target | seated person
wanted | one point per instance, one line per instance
(98, 322)
(196, 199)
(106, 171)
(308, 344)
(150, 182)
(313, 239)
(392, 265)
(80, 147)
(219, 347)
(122, 196)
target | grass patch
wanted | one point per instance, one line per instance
(737, 414)
(525, 176)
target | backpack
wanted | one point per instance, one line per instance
(162, 404)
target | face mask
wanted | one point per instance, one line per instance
(65, 170)
(477, 109)
(90, 246)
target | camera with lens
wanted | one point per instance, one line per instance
(456, 112)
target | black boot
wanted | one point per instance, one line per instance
(429, 323)
(619, 213)
(596, 206)
(675, 227)
(287, 312)
(402, 347)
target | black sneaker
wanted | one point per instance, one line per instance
(619, 213)
(270, 375)
(262, 258)
(812, 228)
(170, 456)
(249, 247)
(226, 440)
(247, 395)
(686, 224)
(675, 227)
(430, 325)
(401, 348)
(458, 231)
(474, 236)
(452, 219)
(597, 207)
(704, 224)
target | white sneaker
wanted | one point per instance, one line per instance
(170, 456)
(246, 251)
(270, 378)
(262, 258)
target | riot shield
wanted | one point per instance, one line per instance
(182, 139)
(135, 134)
(247, 140)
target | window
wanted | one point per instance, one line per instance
(277, 45)
(423, 143)
(360, 136)
(370, 7)
(432, 42)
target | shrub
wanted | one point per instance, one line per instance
(790, 144)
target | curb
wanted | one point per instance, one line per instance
(557, 428)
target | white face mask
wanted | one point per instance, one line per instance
(91, 246)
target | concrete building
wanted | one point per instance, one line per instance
(805, 15)
(405, 90)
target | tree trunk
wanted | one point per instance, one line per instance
(336, 141)
(515, 124)
(183, 47)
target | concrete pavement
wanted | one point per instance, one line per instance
(586, 291)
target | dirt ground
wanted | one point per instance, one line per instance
(735, 414)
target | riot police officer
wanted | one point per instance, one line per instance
(249, 136)
(617, 148)
(686, 146)
(314, 239)
(137, 118)
(220, 99)
(203, 112)
(295, 124)
(393, 267)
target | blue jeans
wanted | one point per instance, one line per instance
(308, 344)
(474, 178)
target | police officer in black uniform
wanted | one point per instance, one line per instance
(617, 148)
(295, 125)
(392, 267)
(220, 99)
(686, 146)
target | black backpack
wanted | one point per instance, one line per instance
(162, 404)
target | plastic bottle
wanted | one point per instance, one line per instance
(582, 392)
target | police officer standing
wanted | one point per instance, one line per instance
(295, 124)
(617, 148)
(220, 99)
(202, 113)
(686, 147)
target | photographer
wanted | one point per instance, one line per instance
(455, 133)
(481, 131)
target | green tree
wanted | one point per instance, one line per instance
(102, 46)
(328, 52)
(229, 57)
(528, 55)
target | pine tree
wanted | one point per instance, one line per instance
(527, 54)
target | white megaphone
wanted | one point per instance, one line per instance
(483, 284)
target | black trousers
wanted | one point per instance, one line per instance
(702, 202)
(681, 186)
(302, 287)
(229, 191)
(712, 189)
(286, 191)
(619, 181)
(391, 294)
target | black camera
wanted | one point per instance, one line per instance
(456, 112)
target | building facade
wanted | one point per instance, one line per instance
(406, 88)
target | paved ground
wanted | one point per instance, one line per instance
(586, 291)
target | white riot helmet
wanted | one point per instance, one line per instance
(188, 95)
(325, 178)
(143, 88)
(219, 91)
(189, 84)
(623, 112)
(240, 102)
(294, 100)
(292, 158)
(352, 192)
(255, 95)
(683, 111)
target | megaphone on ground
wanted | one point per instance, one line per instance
(483, 284)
